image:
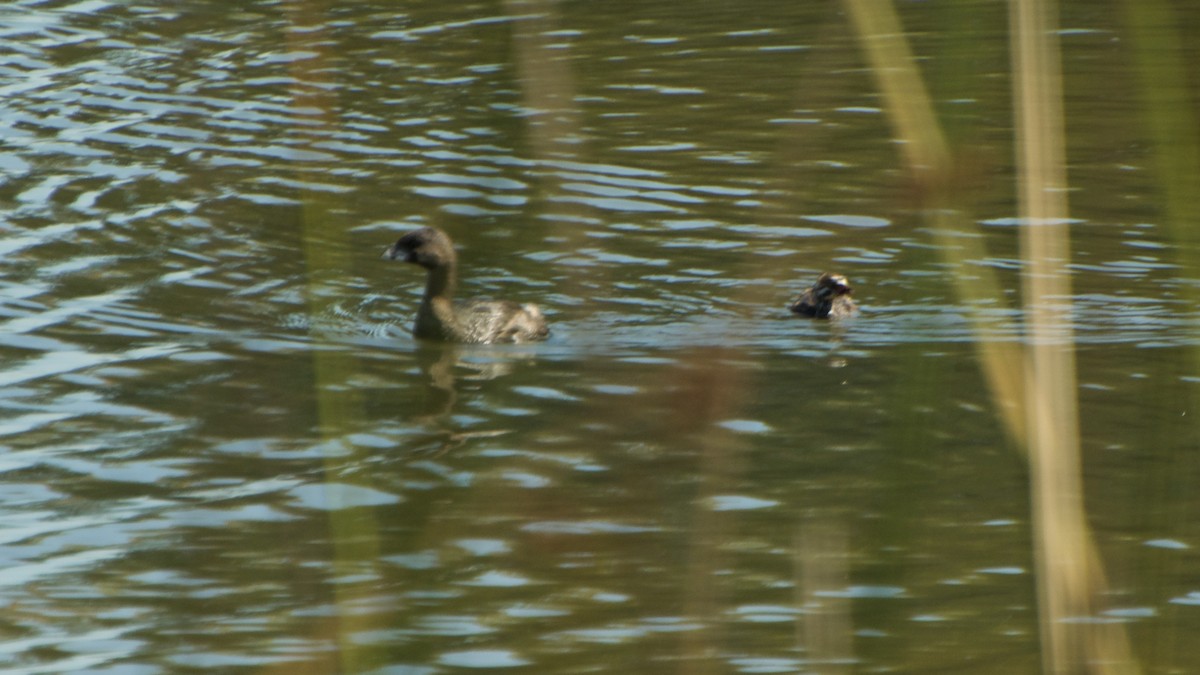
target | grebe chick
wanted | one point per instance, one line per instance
(829, 298)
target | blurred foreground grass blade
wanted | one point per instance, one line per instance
(909, 109)
(1037, 402)
(1069, 576)
(551, 115)
(932, 167)
(353, 532)
(1169, 109)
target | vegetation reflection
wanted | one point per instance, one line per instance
(1033, 386)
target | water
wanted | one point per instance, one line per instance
(221, 450)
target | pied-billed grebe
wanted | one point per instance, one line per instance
(471, 321)
(829, 298)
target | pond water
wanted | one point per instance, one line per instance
(220, 448)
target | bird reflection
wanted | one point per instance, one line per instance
(445, 368)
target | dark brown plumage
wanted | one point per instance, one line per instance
(829, 298)
(473, 321)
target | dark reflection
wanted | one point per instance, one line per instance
(437, 362)
(450, 372)
(833, 335)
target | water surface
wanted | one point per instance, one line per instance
(220, 449)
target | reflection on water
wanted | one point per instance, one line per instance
(221, 449)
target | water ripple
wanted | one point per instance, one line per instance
(217, 434)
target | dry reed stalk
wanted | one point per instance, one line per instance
(1070, 578)
(1038, 402)
(930, 163)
